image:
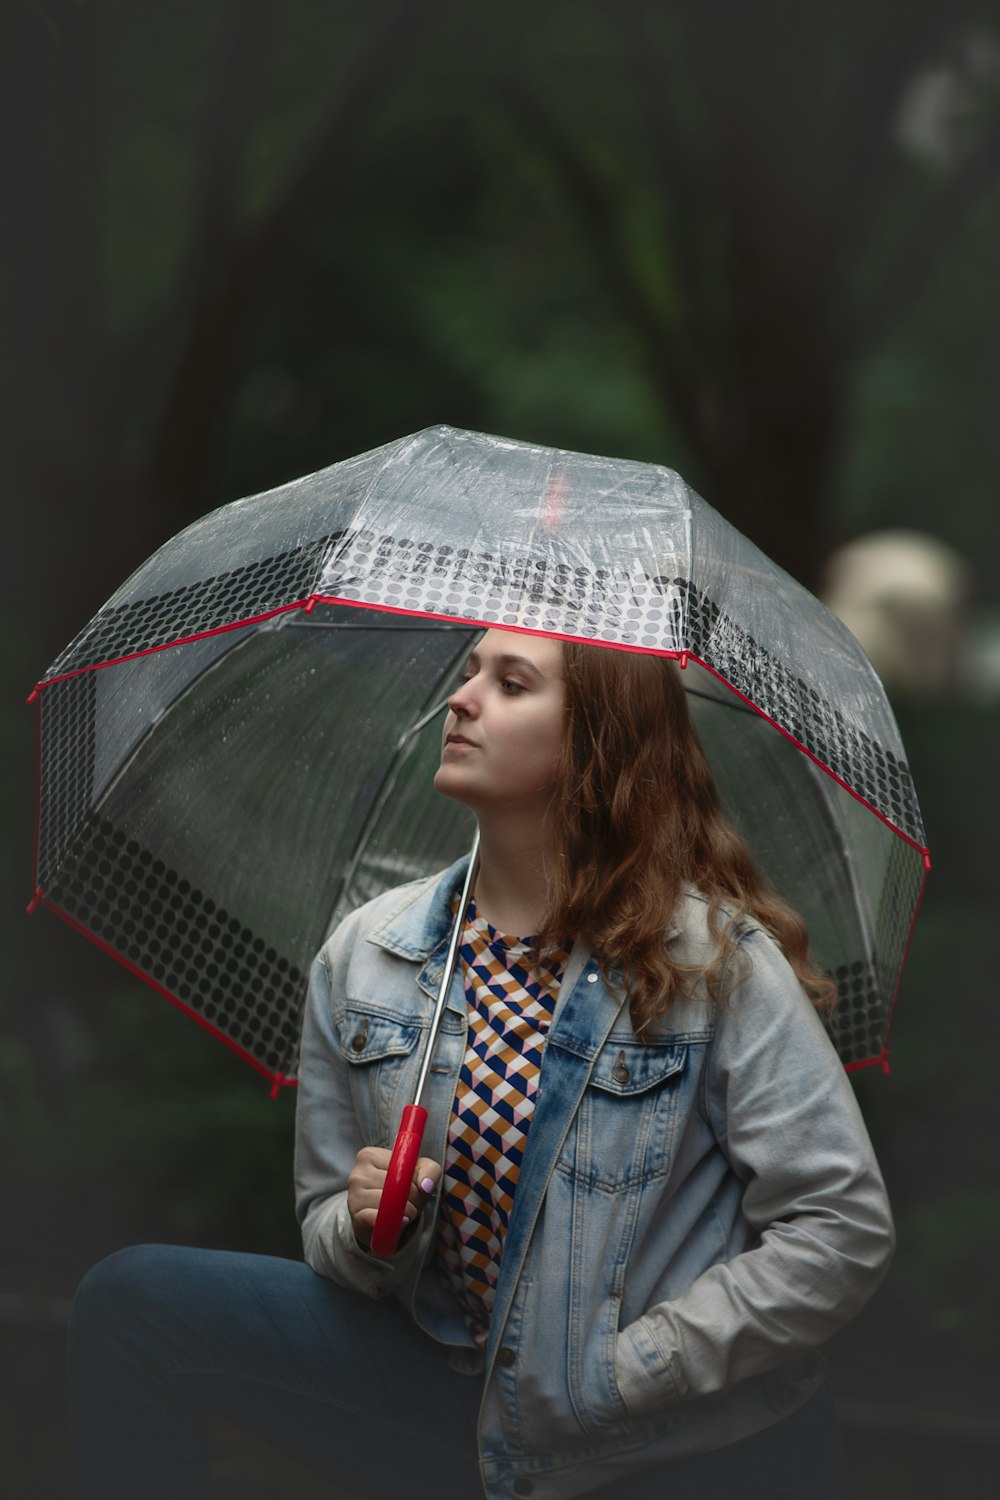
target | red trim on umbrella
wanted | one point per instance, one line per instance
(883, 1056)
(278, 1080)
(309, 603)
(38, 793)
(906, 954)
(183, 640)
(870, 1062)
(922, 848)
(471, 624)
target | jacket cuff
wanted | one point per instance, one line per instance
(333, 1251)
(646, 1378)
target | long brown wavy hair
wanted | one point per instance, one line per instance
(636, 818)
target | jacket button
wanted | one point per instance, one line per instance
(522, 1486)
(506, 1358)
(360, 1042)
(620, 1073)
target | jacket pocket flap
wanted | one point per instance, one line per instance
(629, 1068)
(367, 1038)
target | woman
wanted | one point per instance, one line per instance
(648, 1193)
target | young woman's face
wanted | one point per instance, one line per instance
(504, 726)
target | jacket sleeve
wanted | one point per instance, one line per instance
(785, 1115)
(328, 1137)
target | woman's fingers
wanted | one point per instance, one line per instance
(426, 1176)
(365, 1183)
(364, 1190)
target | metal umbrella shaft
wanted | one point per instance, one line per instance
(406, 1151)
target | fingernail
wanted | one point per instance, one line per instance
(406, 1218)
(428, 1185)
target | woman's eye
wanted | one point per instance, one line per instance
(510, 687)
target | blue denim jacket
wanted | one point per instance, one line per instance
(696, 1211)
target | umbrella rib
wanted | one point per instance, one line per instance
(426, 718)
(732, 702)
(449, 967)
(225, 657)
(824, 783)
(388, 787)
(312, 624)
(169, 706)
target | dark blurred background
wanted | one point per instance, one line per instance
(755, 241)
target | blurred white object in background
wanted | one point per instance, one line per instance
(904, 596)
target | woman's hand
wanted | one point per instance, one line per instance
(364, 1189)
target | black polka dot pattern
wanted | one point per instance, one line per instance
(233, 977)
(900, 895)
(195, 950)
(865, 987)
(67, 735)
(864, 766)
(635, 609)
(859, 1024)
(625, 608)
(123, 630)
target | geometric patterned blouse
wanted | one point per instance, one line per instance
(509, 1009)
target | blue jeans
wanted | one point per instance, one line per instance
(162, 1336)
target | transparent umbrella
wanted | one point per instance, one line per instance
(239, 748)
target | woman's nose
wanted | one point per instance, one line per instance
(463, 701)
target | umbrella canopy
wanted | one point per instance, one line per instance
(239, 748)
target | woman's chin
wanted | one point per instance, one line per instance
(450, 784)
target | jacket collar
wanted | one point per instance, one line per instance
(421, 920)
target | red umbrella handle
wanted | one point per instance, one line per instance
(389, 1221)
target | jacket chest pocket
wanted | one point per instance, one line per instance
(382, 1054)
(626, 1120)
